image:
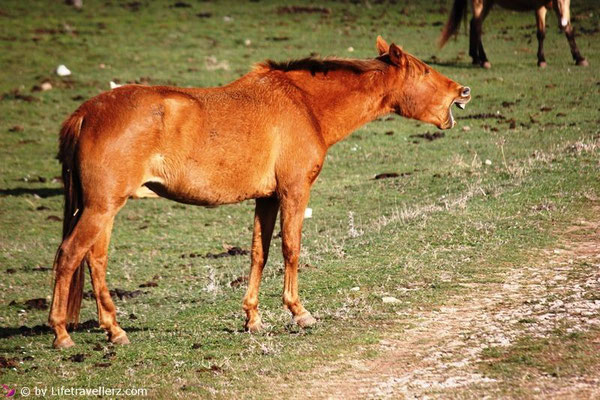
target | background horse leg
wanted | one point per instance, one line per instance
(71, 253)
(540, 18)
(473, 40)
(265, 215)
(293, 204)
(564, 21)
(481, 8)
(97, 259)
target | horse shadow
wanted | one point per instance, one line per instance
(452, 64)
(38, 330)
(42, 192)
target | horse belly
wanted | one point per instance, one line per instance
(522, 5)
(213, 184)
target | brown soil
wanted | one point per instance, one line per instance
(441, 356)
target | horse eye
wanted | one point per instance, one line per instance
(426, 72)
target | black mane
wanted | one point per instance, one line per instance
(316, 65)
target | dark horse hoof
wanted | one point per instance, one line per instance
(582, 63)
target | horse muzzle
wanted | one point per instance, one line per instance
(460, 102)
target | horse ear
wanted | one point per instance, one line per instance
(396, 54)
(381, 45)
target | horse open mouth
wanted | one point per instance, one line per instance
(460, 103)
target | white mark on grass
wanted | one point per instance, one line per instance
(352, 231)
(308, 213)
(212, 64)
(213, 285)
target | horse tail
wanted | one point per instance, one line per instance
(67, 155)
(459, 10)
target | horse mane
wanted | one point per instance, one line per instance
(315, 65)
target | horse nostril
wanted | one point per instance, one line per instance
(466, 91)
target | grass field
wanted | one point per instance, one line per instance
(467, 208)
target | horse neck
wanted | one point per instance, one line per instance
(344, 101)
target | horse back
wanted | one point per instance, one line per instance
(200, 146)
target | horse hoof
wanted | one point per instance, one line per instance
(63, 343)
(121, 339)
(542, 64)
(305, 320)
(254, 327)
(583, 62)
(486, 65)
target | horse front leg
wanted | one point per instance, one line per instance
(562, 9)
(293, 204)
(473, 42)
(265, 215)
(540, 17)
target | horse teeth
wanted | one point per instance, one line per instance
(460, 105)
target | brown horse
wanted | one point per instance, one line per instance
(261, 137)
(481, 8)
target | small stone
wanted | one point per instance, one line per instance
(62, 70)
(355, 289)
(466, 128)
(389, 300)
(350, 49)
(46, 86)
(488, 162)
(247, 42)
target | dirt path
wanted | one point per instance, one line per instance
(439, 357)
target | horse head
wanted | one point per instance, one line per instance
(417, 91)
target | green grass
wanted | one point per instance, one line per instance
(562, 354)
(454, 219)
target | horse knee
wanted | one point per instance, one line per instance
(290, 301)
(250, 304)
(56, 321)
(291, 253)
(541, 35)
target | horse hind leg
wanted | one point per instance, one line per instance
(97, 259)
(68, 260)
(579, 59)
(562, 9)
